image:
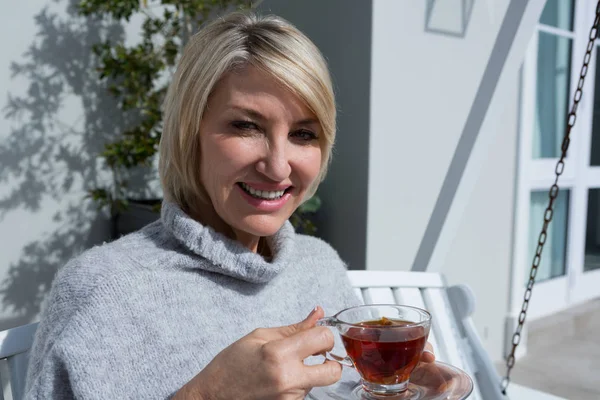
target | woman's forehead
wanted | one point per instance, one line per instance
(255, 90)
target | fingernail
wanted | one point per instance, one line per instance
(314, 310)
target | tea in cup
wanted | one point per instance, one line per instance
(384, 344)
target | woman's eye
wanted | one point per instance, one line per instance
(245, 125)
(304, 135)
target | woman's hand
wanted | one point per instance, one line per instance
(428, 355)
(268, 364)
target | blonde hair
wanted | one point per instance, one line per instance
(269, 43)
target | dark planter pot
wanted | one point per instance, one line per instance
(139, 214)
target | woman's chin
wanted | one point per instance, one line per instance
(261, 225)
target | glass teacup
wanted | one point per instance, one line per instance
(384, 343)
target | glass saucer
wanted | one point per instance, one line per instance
(429, 381)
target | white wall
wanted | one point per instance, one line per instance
(55, 118)
(423, 88)
(480, 244)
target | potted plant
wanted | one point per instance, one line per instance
(138, 75)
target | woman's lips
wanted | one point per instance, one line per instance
(264, 204)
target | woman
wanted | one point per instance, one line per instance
(173, 310)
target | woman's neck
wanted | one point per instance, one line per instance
(251, 242)
(209, 217)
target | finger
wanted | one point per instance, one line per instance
(324, 374)
(306, 343)
(316, 314)
(309, 322)
(428, 355)
(427, 374)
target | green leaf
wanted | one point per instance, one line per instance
(311, 205)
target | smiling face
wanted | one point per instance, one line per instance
(260, 153)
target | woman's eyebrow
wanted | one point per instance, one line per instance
(249, 112)
(257, 115)
(307, 121)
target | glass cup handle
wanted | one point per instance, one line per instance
(346, 361)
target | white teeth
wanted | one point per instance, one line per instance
(263, 194)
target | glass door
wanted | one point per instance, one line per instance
(570, 267)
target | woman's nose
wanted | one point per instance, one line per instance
(275, 165)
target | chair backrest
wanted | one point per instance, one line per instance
(14, 347)
(450, 339)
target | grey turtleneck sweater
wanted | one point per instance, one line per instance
(141, 316)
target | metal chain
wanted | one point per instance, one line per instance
(552, 194)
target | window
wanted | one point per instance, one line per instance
(553, 263)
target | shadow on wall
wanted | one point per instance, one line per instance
(44, 159)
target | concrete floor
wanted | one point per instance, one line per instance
(563, 354)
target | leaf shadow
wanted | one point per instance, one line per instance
(50, 156)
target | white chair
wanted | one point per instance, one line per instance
(14, 347)
(453, 334)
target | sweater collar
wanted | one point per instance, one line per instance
(227, 256)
